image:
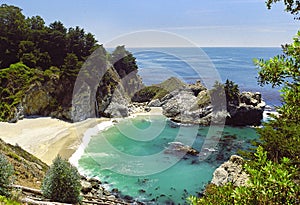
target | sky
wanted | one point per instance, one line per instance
(205, 23)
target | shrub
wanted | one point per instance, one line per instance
(6, 173)
(62, 182)
(269, 183)
(6, 201)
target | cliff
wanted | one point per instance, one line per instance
(96, 90)
(192, 103)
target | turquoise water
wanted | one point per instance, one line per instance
(131, 156)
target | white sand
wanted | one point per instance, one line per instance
(46, 137)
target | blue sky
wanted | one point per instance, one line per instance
(206, 23)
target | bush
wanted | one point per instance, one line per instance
(6, 201)
(6, 173)
(269, 183)
(62, 182)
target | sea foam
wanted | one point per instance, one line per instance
(74, 159)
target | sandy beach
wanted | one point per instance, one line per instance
(46, 137)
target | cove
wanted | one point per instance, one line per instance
(106, 157)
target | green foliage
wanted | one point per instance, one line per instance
(157, 91)
(14, 81)
(6, 173)
(227, 92)
(62, 182)
(6, 201)
(28, 48)
(214, 195)
(232, 92)
(123, 61)
(291, 6)
(148, 93)
(274, 172)
(281, 136)
(36, 45)
(269, 183)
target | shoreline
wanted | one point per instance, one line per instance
(87, 136)
(46, 137)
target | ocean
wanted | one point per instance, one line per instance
(132, 156)
(191, 64)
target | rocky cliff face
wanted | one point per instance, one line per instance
(55, 97)
(248, 112)
(192, 104)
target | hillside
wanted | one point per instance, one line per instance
(43, 66)
(29, 170)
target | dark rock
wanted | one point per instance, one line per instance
(86, 187)
(147, 109)
(177, 148)
(142, 191)
(128, 198)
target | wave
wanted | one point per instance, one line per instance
(74, 159)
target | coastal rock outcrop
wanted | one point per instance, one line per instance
(248, 112)
(182, 106)
(94, 192)
(192, 104)
(231, 171)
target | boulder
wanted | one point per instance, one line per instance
(231, 171)
(86, 187)
(118, 106)
(178, 102)
(244, 114)
(250, 98)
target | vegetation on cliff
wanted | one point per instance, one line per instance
(43, 62)
(6, 173)
(28, 170)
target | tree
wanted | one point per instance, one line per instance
(6, 173)
(36, 23)
(13, 28)
(62, 182)
(269, 183)
(291, 6)
(232, 92)
(274, 172)
(281, 136)
(71, 65)
(123, 61)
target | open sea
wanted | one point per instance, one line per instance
(131, 155)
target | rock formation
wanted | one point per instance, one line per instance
(192, 104)
(231, 171)
(177, 148)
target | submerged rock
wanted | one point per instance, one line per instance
(177, 148)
